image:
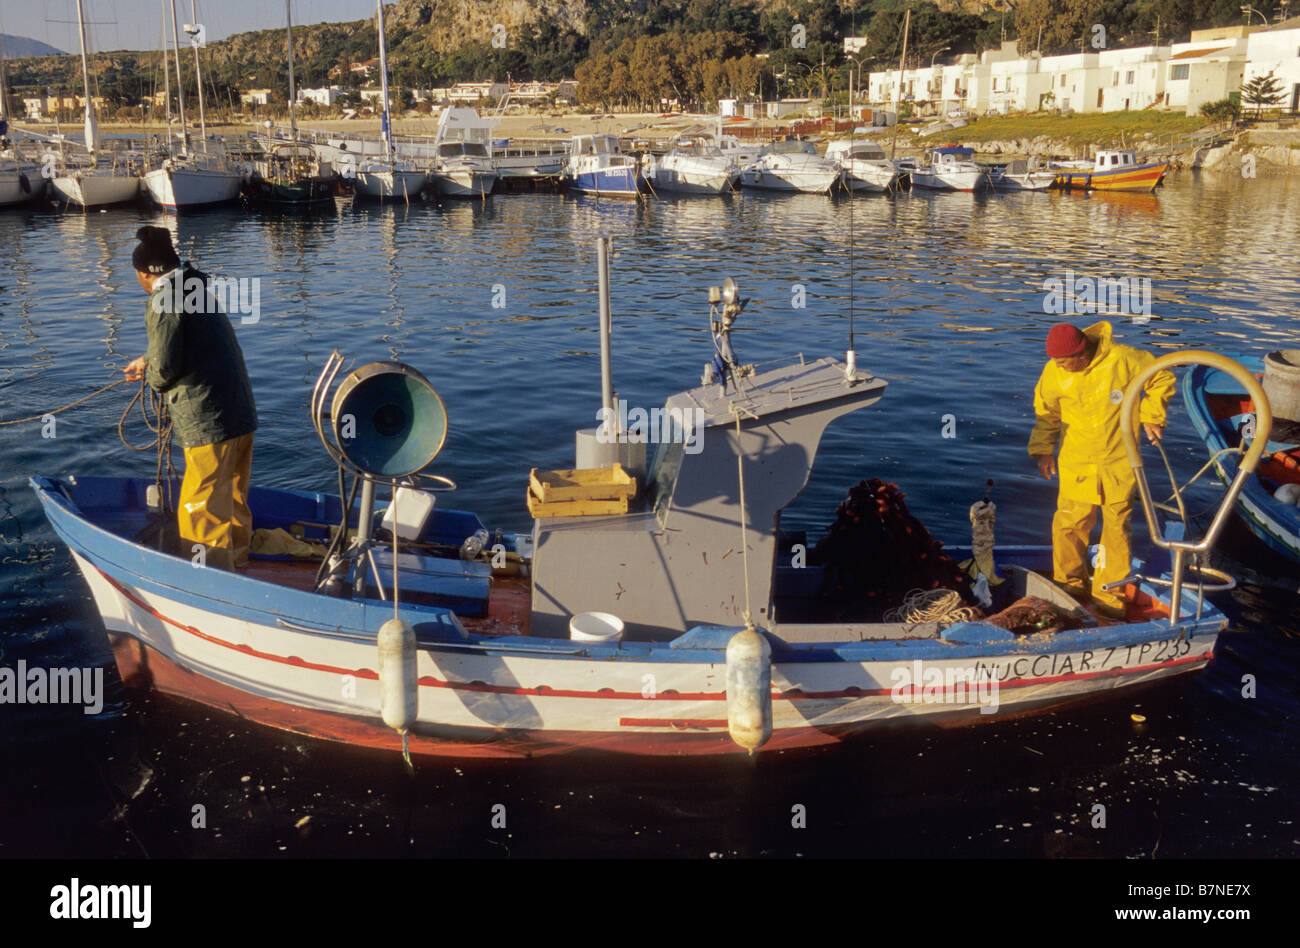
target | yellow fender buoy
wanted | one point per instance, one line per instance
(749, 689)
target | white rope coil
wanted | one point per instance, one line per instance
(943, 606)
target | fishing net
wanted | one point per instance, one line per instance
(876, 552)
(1031, 615)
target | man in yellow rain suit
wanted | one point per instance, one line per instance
(1077, 404)
(195, 362)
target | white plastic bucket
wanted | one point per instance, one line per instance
(595, 627)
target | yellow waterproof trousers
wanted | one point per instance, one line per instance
(1071, 528)
(213, 505)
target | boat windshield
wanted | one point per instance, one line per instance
(791, 148)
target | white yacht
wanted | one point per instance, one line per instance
(864, 164)
(792, 166)
(84, 180)
(695, 166)
(950, 168)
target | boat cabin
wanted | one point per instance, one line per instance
(790, 146)
(858, 150)
(458, 149)
(595, 145)
(1110, 160)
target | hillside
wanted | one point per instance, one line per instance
(14, 47)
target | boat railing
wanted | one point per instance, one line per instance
(1181, 548)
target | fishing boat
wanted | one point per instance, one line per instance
(1115, 171)
(1024, 174)
(88, 178)
(695, 166)
(597, 165)
(950, 168)
(651, 610)
(291, 172)
(864, 164)
(792, 165)
(1226, 419)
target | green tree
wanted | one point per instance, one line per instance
(1265, 90)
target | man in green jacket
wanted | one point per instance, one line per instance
(195, 362)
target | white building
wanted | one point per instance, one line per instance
(1137, 78)
(1207, 68)
(255, 97)
(326, 95)
(1277, 50)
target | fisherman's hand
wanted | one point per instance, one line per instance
(1047, 466)
(1154, 432)
(134, 370)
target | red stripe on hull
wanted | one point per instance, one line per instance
(143, 667)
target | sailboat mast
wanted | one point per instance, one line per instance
(386, 123)
(898, 93)
(92, 132)
(198, 78)
(180, 85)
(167, 76)
(4, 89)
(288, 21)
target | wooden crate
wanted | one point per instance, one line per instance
(585, 484)
(575, 508)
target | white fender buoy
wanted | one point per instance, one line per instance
(749, 689)
(1288, 494)
(398, 685)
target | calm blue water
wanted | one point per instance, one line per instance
(948, 305)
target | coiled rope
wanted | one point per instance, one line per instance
(943, 606)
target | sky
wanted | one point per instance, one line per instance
(137, 24)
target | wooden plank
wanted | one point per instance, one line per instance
(575, 508)
(597, 483)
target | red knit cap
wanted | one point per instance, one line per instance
(1064, 341)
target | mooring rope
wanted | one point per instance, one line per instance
(160, 424)
(744, 537)
(80, 401)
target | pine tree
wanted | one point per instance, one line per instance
(1265, 90)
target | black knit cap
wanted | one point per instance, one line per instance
(155, 254)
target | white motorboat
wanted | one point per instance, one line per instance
(864, 164)
(463, 169)
(695, 166)
(792, 166)
(950, 169)
(20, 179)
(1025, 175)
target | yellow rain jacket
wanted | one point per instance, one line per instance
(1081, 411)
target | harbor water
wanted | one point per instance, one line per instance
(495, 302)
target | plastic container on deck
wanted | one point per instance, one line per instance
(595, 627)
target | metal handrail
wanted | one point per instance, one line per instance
(1129, 428)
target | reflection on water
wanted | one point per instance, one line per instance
(948, 305)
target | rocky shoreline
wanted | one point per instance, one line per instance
(1270, 150)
